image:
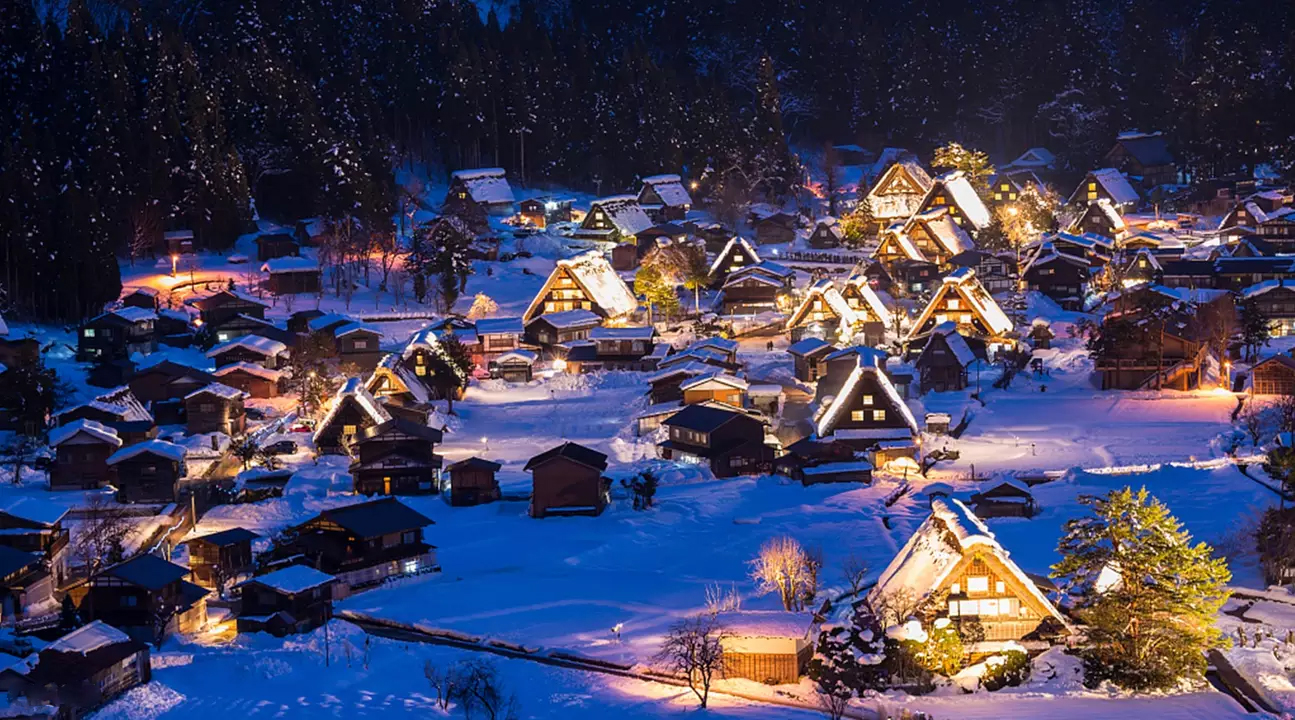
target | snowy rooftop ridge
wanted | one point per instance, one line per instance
(1116, 185)
(964, 196)
(293, 579)
(88, 638)
(724, 253)
(162, 448)
(867, 366)
(486, 185)
(597, 278)
(624, 212)
(255, 343)
(354, 388)
(670, 189)
(96, 430)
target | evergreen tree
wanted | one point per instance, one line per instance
(1255, 328)
(1152, 627)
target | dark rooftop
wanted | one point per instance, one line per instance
(701, 418)
(147, 571)
(474, 463)
(407, 427)
(377, 517)
(570, 451)
(225, 538)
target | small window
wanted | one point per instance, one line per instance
(978, 584)
(953, 304)
(361, 344)
(867, 399)
(89, 332)
(878, 415)
(349, 430)
(1004, 188)
(998, 196)
(856, 415)
(420, 371)
(1092, 187)
(1000, 587)
(955, 589)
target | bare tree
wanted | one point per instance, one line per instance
(99, 538)
(833, 697)
(854, 569)
(720, 600)
(444, 683)
(1252, 419)
(895, 607)
(784, 567)
(1284, 405)
(694, 648)
(481, 694)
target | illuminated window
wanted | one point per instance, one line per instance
(1000, 587)
(965, 319)
(955, 589)
(977, 584)
(349, 429)
(998, 196)
(878, 415)
(1011, 196)
(953, 304)
(361, 344)
(867, 399)
(1092, 187)
(1005, 187)
(856, 415)
(89, 332)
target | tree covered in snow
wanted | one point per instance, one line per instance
(1151, 625)
(849, 660)
(974, 163)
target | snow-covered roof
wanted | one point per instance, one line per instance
(162, 448)
(1035, 157)
(36, 509)
(721, 378)
(486, 185)
(825, 291)
(570, 318)
(687, 368)
(624, 212)
(256, 343)
(98, 431)
(323, 321)
(766, 623)
(670, 189)
(729, 247)
(808, 346)
(623, 333)
(500, 326)
(866, 367)
(838, 467)
(525, 356)
(354, 388)
(135, 314)
(871, 299)
(293, 579)
(1116, 185)
(755, 277)
(939, 223)
(355, 327)
(220, 390)
(964, 196)
(393, 365)
(122, 403)
(885, 201)
(1107, 208)
(290, 264)
(251, 369)
(765, 267)
(597, 279)
(895, 233)
(88, 638)
(938, 546)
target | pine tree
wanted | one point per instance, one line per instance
(1255, 328)
(1152, 627)
(974, 163)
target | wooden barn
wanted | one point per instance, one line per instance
(352, 411)
(767, 646)
(148, 472)
(81, 452)
(291, 275)
(215, 408)
(397, 457)
(568, 480)
(728, 441)
(470, 482)
(585, 282)
(290, 600)
(1274, 376)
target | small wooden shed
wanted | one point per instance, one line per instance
(470, 482)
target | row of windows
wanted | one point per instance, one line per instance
(690, 436)
(860, 415)
(962, 319)
(567, 305)
(991, 607)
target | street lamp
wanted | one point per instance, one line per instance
(174, 258)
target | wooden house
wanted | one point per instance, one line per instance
(1274, 376)
(945, 359)
(1007, 498)
(163, 385)
(1101, 217)
(76, 674)
(730, 442)
(962, 299)
(470, 482)
(1144, 156)
(931, 236)
(824, 312)
(897, 193)
(767, 646)
(147, 598)
(424, 356)
(666, 385)
(715, 387)
(953, 567)
(617, 219)
(147, 472)
(117, 334)
(499, 336)
(485, 190)
(1005, 189)
(143, 297)
(777, 228)
(394, 382)
(257, 381)
(515, 366)
(612, 348)
(252, 349)
(241, 325)
(756, 288)
(725, 347)
(178, 242)
(352, 411)
(556, 328)
(808, 356)
(1106, 184)
(224, 305)
(359, 345)
(290, 600)
(216, 408)
(827, 234)
(706, 357)
(1276, 301)
(736, 255)
(26, 586)
(665, 197)
(81, 451)
(291, 275)
(119, 410)
(836, 368)
(270, 246)
(1247, 213)
(34, 525)
(1058, 275)
(397, 457)
(568, 480)
(585, 282)
(217, 559)
(542, 211)
(997, 273)
(868, 414)
(953, 190)
(1036, 158)
(1174, 359)
(299, 321)
(363, 544)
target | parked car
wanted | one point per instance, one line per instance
(282, 447)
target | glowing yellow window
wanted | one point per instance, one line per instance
(856, 415)
(878, 415)
(867, 399)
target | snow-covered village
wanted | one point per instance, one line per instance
(523, 359)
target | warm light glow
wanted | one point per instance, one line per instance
(694, 185)
(559, 364)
